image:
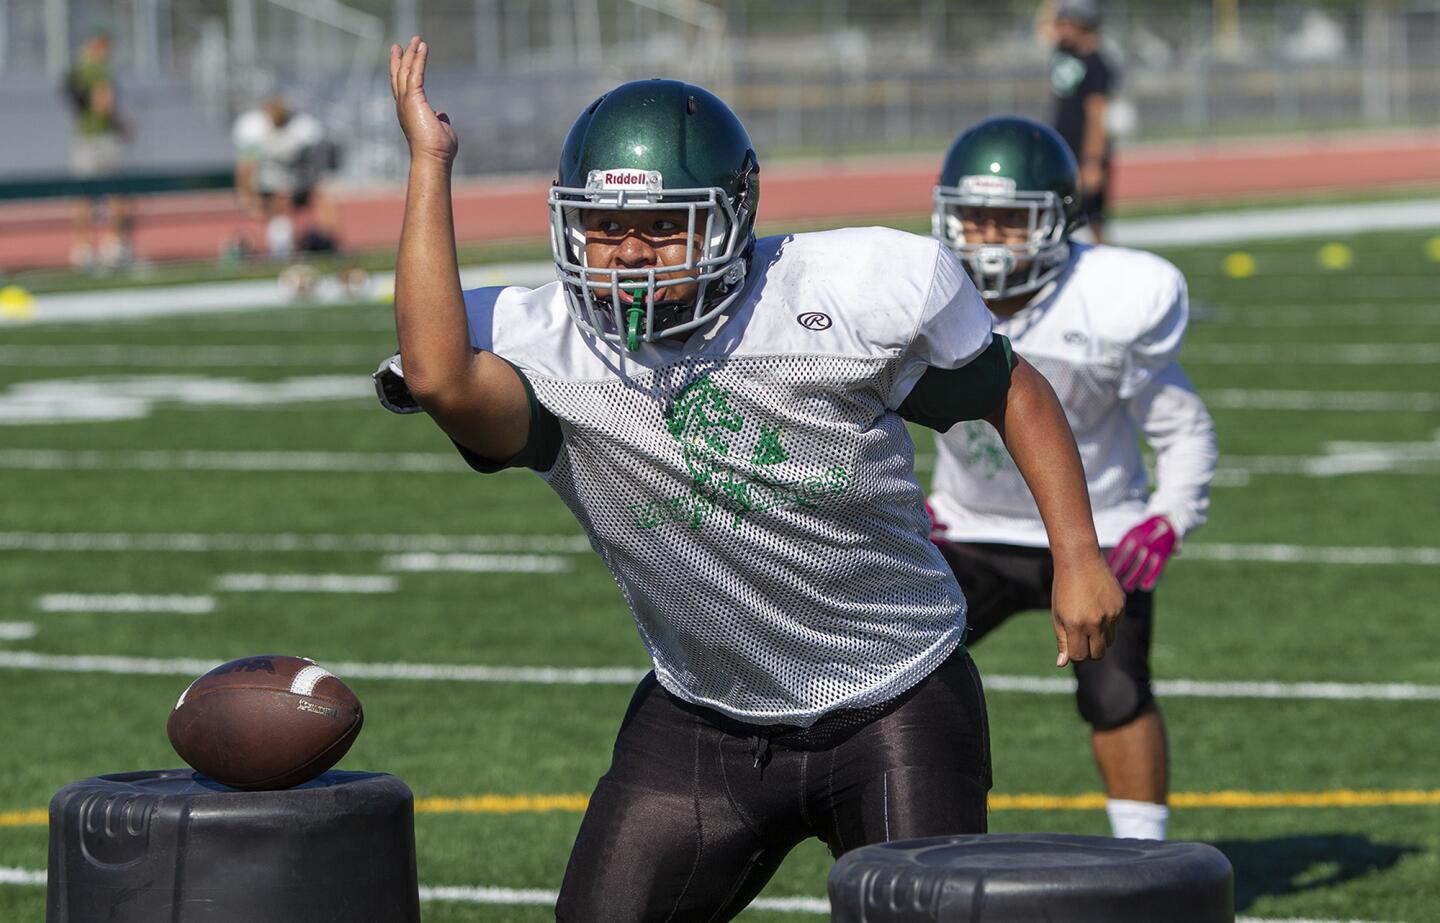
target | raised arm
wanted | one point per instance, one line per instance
(474, 396)
(1085, 600)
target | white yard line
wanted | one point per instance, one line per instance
(539, 897)
(117, 356)
(1340, 458)
(306, 583)
(1313, 354)
(1367, 401)
(184, 460)
(17, 631)
(403, 544)
(124, 603)
(431, 562)
(1312, 554)
(289, 542)
(628, 676)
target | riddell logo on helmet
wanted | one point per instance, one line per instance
(638, 180)
(987, 185)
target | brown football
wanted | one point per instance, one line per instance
(265, 722)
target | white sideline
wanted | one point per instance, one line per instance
(124, 602)
(627, 676)
(540, 897)
(17, 631)
(1275, 223)
(406, 544)
(306, 583)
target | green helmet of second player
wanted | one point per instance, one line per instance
(648, 145)
(1017, 165)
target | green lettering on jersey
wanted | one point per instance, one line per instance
(705, 424)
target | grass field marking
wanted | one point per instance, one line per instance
(1406, 458)
(125, 603)
(291, 542)
(306, 583)
(108, 398)
(188, 460)
(628, 676)
(17, 631)
(539, 897)
(1313, 354)
(1311, 554)
(114, 355)
(576, 802)
(575, 543)
(502, 804)
(421, 562)
(1367, 401)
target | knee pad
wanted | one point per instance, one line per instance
(1110, 696)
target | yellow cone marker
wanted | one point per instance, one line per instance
(1432, 249)
(16, 303)
(1238, 265)
(1335, 256)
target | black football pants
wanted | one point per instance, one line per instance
(1001, 580)
(698, 810)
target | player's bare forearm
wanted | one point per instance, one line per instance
(476, 397)
(429, 306)
(1033, 426)
(1085, 599)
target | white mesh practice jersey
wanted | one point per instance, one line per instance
(751, 487)
(1105, 334)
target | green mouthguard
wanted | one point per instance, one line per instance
(632, 319)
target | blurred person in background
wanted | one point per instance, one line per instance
(102, 223)
(725, 416)
(1104, 325)
(280, 158)
(1082, 81)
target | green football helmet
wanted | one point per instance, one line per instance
(1009, 162)
(646, 145)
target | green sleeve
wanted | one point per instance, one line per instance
(944, 397)
(542, 443)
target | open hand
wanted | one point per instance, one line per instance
(429, 132)
(1085, 604)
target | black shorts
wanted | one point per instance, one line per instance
(698, 810)
(1001, 580)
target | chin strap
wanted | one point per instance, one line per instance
(632, 319)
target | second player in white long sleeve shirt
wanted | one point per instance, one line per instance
(1106, 333)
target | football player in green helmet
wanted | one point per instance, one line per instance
(726, 418)
(1006, 203)
(693, 182)
(1104, 325)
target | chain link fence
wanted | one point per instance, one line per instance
(826, 78)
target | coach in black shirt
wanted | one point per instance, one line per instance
(1082, 81)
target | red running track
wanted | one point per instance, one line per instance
(197, 226)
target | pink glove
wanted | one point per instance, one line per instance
(1142, 553)
(937, 528)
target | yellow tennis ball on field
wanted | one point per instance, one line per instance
(1335, 256)
(16, 303)
(1432, 249)
(1239, 265)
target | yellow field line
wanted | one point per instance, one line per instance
(574, 804)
